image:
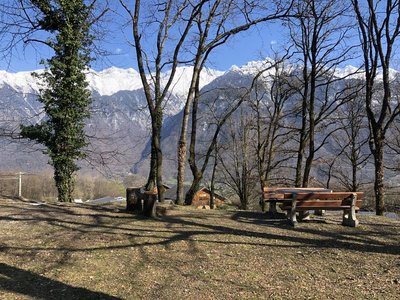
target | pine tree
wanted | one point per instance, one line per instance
(64, 95)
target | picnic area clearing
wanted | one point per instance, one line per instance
(73, 251)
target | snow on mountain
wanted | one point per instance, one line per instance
(253, 67)
(183, 76)
(22, 82)
(349, 72)
(113, 80)
(120, 119)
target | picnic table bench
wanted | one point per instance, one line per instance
(274, 195)
(300, 200)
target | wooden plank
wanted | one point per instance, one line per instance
(323, 196)
(326, 203)
(316, 208)
(272, 196)
(276, 188)
(271, 189)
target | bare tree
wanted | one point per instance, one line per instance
(214, 28)
(219, 107)
(379, 28)
(237, 163)
(270, 109)
(353, 139)
(349, 145)
(318, 36)
(170, 22)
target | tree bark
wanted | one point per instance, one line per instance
(194, 187)
(151, 179)
(303, 129)
(182, 144)
(311, 134)
(378, 154)
(302, 142)
(133, 200)
(180, 191)
(149, 204)
(212, 195)
(159, 156)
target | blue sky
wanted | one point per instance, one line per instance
(247, 46)
(253, 44)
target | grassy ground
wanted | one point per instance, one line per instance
(79, 252)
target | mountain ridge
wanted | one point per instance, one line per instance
(109, 81)
(120, 120)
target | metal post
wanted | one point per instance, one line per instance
(20, 184)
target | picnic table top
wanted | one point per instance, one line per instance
(296, 190)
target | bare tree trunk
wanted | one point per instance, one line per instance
(166, 18)
(245, 171)
(151, 179)
(180, 191)
(378, 153)
(194, 188)
(212, 202)
(303, 129)
(182, 144)
(260, 147)
(354, 162)
(197, 174)
(311, 115)
(157, 147)
(303, 141)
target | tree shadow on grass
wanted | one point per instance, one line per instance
(188, 226)
(339, 237)
(334, 235)
(27, 283)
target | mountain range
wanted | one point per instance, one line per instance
(119, 127)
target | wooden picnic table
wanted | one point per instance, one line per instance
(304, 199)
(274, 195)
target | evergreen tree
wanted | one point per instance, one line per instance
(64, 95)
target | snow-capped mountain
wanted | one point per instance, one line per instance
(22, 82)
(119, 128)
(111, 80)
(120, 120)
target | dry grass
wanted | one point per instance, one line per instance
(78, 252)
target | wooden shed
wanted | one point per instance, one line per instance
(200, 199)
(203, 196)
(166, 188)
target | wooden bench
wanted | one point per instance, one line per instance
(347, 201)
(274, 195)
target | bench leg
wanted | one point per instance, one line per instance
(349, 215)
(272, 207)
(319, 212)
(262, 205)
(304, 215)
(292, 213)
